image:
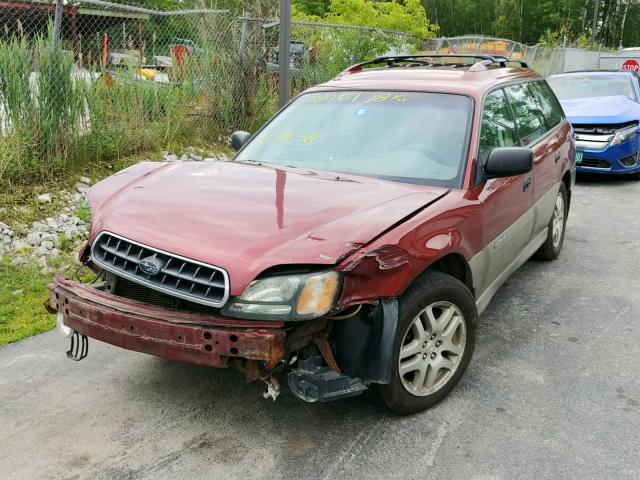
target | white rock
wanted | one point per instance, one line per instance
(171, 158)
(85, 180)
(33, 238)
(7, 239)
(39, 227)
(54, 252)
(48, 244)
(18, 244)
(209, 159)
(52, 223)
(82, 188)
(44, 198)
(17, 261)
(197, 158)
(4, 226)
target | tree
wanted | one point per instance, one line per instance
(408, 17)
(533, 21)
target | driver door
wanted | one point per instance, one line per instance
(507, 214)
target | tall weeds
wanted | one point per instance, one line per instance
(53, 117)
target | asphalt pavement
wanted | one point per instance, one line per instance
(553, 391)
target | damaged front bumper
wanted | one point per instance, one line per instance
(326, 359)
(181, 336)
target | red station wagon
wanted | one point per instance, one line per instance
(350, 244)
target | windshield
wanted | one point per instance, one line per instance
(404, 136)
(589, 86)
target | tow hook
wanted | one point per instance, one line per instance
(79, 348)
(273, 389)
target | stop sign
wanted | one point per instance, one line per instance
(631, 65)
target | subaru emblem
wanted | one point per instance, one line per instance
(151, 265)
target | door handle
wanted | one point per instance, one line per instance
(526, 184)
(557, 156)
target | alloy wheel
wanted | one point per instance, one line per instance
(557, 225)
(432, 348)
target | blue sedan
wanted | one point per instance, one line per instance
(604, 110)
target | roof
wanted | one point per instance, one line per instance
(445, 79)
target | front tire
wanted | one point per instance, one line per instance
(550, 249)
(434, 342)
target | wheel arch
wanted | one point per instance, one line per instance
(455, 265)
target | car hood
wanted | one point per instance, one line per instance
(601, 110)
(246, 218)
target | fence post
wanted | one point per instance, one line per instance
(57, 24)
(244, 34)
(284, 54)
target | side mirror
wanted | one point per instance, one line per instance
(508, 162)
(238, 139)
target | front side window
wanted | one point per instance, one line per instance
(404, 136)
(497, 128)
(529, 117)
(548, 104)
(584, 85)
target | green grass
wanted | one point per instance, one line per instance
(23, 291)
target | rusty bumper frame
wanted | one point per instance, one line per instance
(181, 336)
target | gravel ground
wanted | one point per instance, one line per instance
(552, 391)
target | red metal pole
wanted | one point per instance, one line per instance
(105, 43)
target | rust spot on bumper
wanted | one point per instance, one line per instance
(142, 328)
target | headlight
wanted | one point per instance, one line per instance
(286, 297)
(624, 134)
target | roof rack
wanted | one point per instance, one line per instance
(481, 63)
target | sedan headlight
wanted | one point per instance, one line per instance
(286, 297)
(624, 134)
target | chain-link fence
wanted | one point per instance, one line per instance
(117, 78)
(544, 59)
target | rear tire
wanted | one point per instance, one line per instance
(434, 342)
(550, 249)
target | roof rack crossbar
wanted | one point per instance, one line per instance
(481, 63)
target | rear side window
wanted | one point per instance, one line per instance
(497, 128)
(529, 117)
(548, 103)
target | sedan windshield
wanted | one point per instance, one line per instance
(404, 136)
(590, 86)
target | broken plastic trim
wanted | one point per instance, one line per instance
(79, 347)
(314, 381)
(364, 343)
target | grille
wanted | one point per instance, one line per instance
(134, 291)
(600, 129)
(176, 276)
(594, 163)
